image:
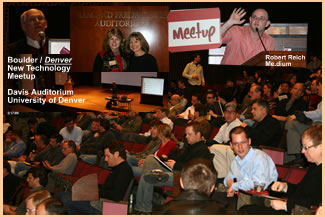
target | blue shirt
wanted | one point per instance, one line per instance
(16, 148)
(315, 115)
(256, 166)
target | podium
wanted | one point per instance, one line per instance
(279, 59)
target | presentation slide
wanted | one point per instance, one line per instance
(152, 86)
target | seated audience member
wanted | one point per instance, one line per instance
(255, 92)
(40, 143)
(10, 183)
(250, 165)
(71, 132)
(200, 115)
(13, 145)
(162, 115)
(183, 91)
(34, 199)
(196, 149)
(297, 123)
(215, 109)
(313, 96)
(283, 91)
(134, 158)
(131, 123)
(94, 128)
(50, 206)
(69, 162)
(268, 95)
(198, 179)
(232, 121)
(84, 120)
(167, 144)
(52, 153)
(37, 180)
(306, 193)
(175, 106)
(288, 106)
(188, 114)
(90, 148)
(266, 129)
(229, 91)
(114, 187)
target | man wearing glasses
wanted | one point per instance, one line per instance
(243, 42)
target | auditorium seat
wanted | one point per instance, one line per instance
(214, 132)
(296, 175)
(277, 154)
(179, 131)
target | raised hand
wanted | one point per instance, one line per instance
(236, 16)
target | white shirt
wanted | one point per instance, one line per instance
(165, 120)
(75, 135)
(187, 111)
(223, 134)
(33, 43)
(193, 69)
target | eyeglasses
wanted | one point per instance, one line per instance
(308, 147)
(254, 17)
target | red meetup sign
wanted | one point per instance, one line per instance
(197, 29)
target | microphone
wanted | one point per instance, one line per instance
(258, 33)
(41, 34)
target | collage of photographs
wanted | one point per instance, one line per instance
(162, 108)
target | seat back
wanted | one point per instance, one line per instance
(277, 156)
(214, 132)
(179, 131)
(296, 175)
(83, 169)
(282, 172)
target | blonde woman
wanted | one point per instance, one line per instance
(34, 199)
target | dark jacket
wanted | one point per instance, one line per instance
(190, 202)
(266, 132)
(299, 104)
(196, 150)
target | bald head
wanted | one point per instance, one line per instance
(259, 19)
(32, 22)
(175, 99)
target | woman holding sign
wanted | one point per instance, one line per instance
(140, 59)
(111, 58)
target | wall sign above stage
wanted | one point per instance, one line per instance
(197, 29)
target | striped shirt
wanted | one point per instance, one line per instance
(241, 46)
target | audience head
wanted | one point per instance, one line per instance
(200, 175)
(260, 109)
(175, 99)
(32, 22)
(230, 113)
(114, 153)
(162, 113)
(68, 147)
(34, 199)
(69, 123)
(137, 42)
(164, 130)
(36, 177)
(200, 110)
(285, 87)
(132, 113)
(292, 78)
(211, 97)
(154, 127)
(194, 132)
(181, 83)
(104, 125)
(312, 144)
(260, 20)
(41, 141)
(55, 140)
(313, 87)
(95, 125)
(114, 40)
(240, 141)
(297, 91)
(195, 99)
(256, 92)
(50, 206)
(268, 89)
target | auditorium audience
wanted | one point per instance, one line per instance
(176, 105)
(140, 59)
(188, 114)
(34, 199)
(131, 122)
(13, 145)
(112, 57)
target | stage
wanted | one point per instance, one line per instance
(84, 98)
